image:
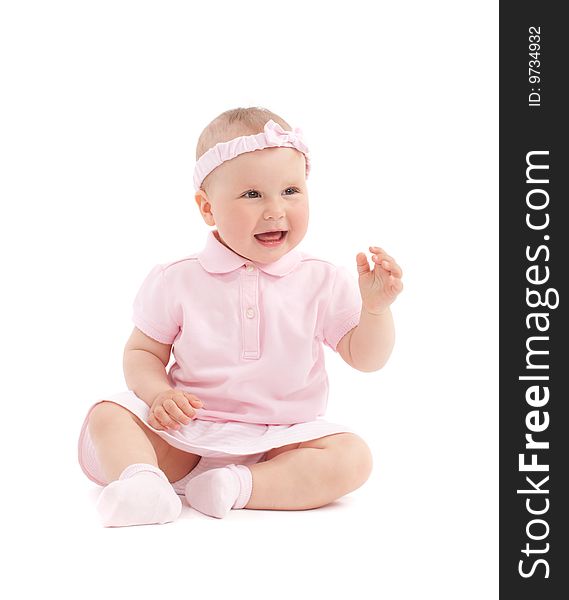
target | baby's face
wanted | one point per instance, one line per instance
(255, 192)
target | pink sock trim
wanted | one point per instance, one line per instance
(137, 467)
(246, 481)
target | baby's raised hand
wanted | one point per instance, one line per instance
(379, 287)
(173, 408)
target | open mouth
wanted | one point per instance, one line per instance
(272, 238)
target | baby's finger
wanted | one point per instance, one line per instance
(382, 257)
(164, 418)
(362, 264)
(153, 422)
(377, 251)
(397, 286)
(380, 252)
(194, 401)
(174, 410)
(390, 265)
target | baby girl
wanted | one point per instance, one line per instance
(236, 421)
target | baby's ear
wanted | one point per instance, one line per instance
(205, 207)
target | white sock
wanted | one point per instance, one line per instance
(217, 491)
(141, 496)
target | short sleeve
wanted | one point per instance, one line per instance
(343, 309)
(151, 308)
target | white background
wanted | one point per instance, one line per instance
(101, 108)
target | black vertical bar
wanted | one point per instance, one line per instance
(534, 258)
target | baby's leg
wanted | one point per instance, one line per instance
(121, 439)
(139, 466)
(295, 477)
(314, 474)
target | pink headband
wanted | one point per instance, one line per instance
(272, 136)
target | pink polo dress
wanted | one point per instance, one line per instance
(248, 340)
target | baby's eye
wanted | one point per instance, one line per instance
(293, 190)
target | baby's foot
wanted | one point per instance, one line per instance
(141, 496)
(217, 491)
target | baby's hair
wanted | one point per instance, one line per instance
(235, 123)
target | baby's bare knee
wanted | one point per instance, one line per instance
(106, 414)
(362, 459)
(354, 460)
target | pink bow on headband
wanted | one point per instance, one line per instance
(276, 135)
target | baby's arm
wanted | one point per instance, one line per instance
(368, 346)
(144, 364)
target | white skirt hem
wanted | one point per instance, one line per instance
(221, 441)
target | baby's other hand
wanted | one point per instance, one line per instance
(379, 287)
(173, 408)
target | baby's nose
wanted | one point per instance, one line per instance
(275, 210)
